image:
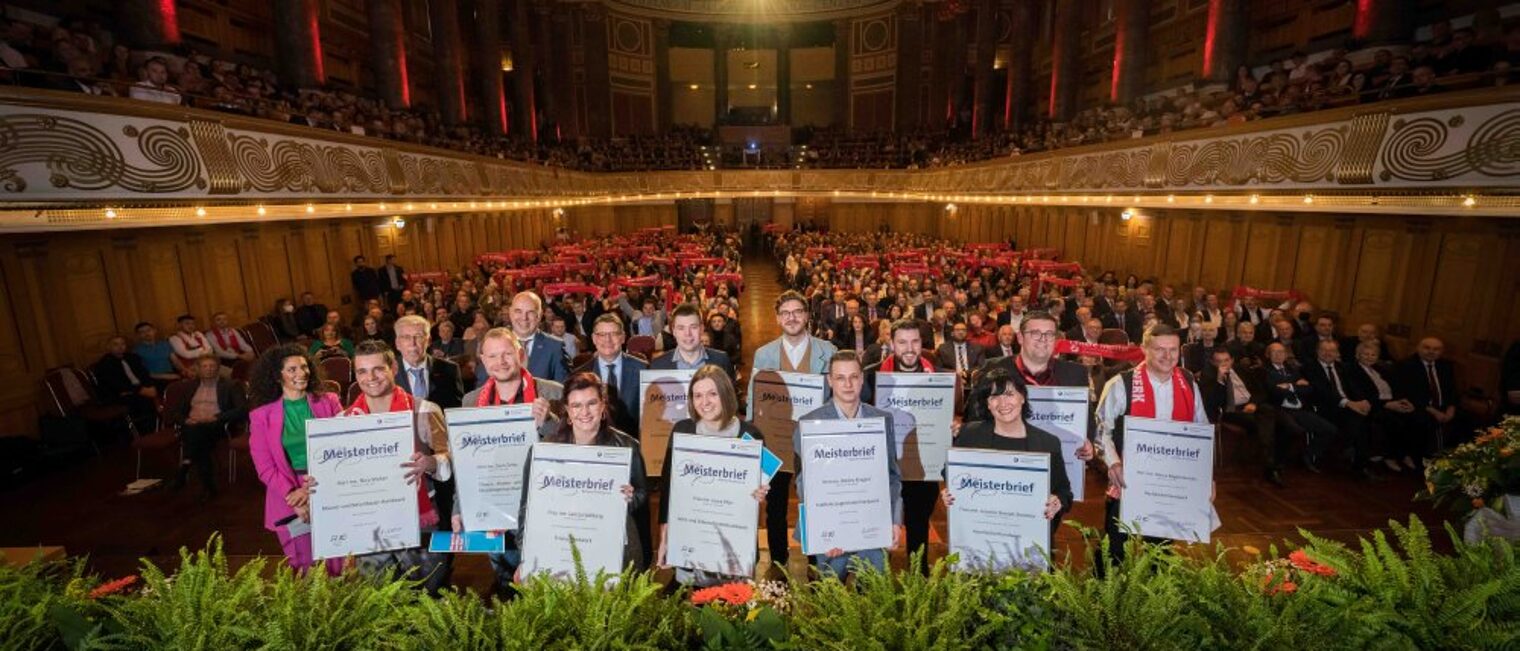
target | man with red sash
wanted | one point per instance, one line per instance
(1158, 389)
(375, 372)
(508, 382)
(227, 342)
(1037, 364)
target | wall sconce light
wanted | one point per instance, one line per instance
(1128, 214)
(398, 222)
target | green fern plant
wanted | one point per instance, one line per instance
(31, 599)
(1140, 604)
(200, 607)
(318, 612)
(625, 611)
(458, 621)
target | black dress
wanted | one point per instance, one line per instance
(980, 435)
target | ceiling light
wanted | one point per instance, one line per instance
(310, 209)
(694, 87)
(1470, 201)
(110, 213)
(1255, 199)
(398, 222)
(200, 212)
(262, 211)
(1127, 214)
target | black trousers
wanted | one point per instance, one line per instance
(1353, 428)
(199, 441)
(1393, 429)
(1318, 431)
(1261, 426)
(776, 507)
(1117, 538)
(918, 498)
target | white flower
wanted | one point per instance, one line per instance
(1474, 489)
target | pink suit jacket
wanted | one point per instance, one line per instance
(266, 424)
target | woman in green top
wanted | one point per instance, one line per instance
(330, 342)
(286, 387)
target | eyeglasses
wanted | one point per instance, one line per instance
(1040, 336)
(792, 313)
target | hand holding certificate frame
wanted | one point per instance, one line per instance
(1064, 411)
(997, 519)
(489, 446)
(1168, 478)
(575, 495)
(713, 513)
(362, 502)
(778, 399)
(847, 493)
(662, 404)
(923, 408)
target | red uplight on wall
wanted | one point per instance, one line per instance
(170, 17)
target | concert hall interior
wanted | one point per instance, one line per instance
(1302, 211)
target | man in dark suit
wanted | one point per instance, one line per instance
(1374, 379)
(201, 424)
(832, 313)
(1324, 331)
(311, 314)
(619, 372)
(1429, 382)
(124, 380)
(580, 314)
(434, 379)
(1336, 400)
(1007, 343)
(1290, 394)
(1237, 396)
(365, 281)
(546, 353)
(958, 354)
(686, 327)
(1125, 318)
(392, 279)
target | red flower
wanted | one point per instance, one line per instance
(730, 593)
(1300, 559)
(1286, 587)
(113, 587)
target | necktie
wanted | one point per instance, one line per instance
(612, 380)
(419, 383)
(1229, 392)
(1121, 320)
(1435, 385)
(1336, 380)
(960, 362)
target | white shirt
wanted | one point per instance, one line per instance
(794, 353)
(230, 334)
(1385, 392)
(1115, 403)
(149, 93)
(190, 346)
(411, 378)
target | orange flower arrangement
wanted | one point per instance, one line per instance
(1300, 560)
(113, 587)
(734, 594)
(1286, 587)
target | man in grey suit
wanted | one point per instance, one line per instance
(794, 351)
(503, 357)
(546, 353)
(846, 377)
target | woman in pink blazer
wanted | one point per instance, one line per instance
(285, 386)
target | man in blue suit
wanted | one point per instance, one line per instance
(686, 325)
(546, 353)
(619, 371)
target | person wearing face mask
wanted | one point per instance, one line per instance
(508, 382)
(1006, 397)
(286, 386)
(713, 407)
(283, 320)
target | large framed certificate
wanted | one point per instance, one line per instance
(922, 407)
(1168, 476)
(777, 399)
(714, 518)
(1064, 411)
(575, 496)
(362, 503)
(662, 404)
(489, 446)
(998, 519)
(846, 488)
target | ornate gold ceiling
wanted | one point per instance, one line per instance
(752, 11)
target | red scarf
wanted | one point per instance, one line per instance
(889, 365)
(488, 395)
(1142, 401)
(1034, 379)
(401, 401)
(221, 341)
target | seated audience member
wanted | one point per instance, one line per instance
(328, 343)
(557, 329)
(446, 345)
(283, 320)
(157, 355)
(1237, 396)
(228, 343)
(1374, 378)
(123, 379)
(1290, 395)
(1337, 400)
(189, 345)
(216, 404)
(154, 84)
(1429, 383)
(310, 315)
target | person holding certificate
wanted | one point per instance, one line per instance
(795, 351)
(1157, 389)
(1006, 398)
(375, 371)
(917, 495)
(286, 387)
(846, 379)
(714, 409)
(586, 407)
(508, 382)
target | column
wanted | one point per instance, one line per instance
(448, 57)
(955, 66)
(722, 41)
(486, 57)
(148, 23)
(387, 47)
(981, 77)
(1063, 60)
(1128, 80)
(598, 79)
(1020, 54)
(298, 43)
(562, 80)
(664, 103)
(784, 75)
(1379, 22)
(910, 56)
(842, 112)
(524, 104)
(1225, 39)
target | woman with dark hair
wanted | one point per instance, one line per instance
(286, 387)
(1000, 403)
(713, 409)
(330, 342)
(586, 423)
(283, 320)
(856, 337)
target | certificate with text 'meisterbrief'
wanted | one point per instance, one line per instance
(713, 516)
(1064, 412)
(575, 496)
(998, 519)
(846, 486)
(778, 399)
(923, 408)
(362, 503)
(1168, 477)
(662, 404)
(488, 447)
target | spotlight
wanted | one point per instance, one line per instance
(1127, 214)
(262, 211)
(1255, 199)
(1208, 198)
(200, 212)
(110, 213)
(1308, 199)
(1470, 201)
(310, 209)
(348, 207)
(398, 222)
